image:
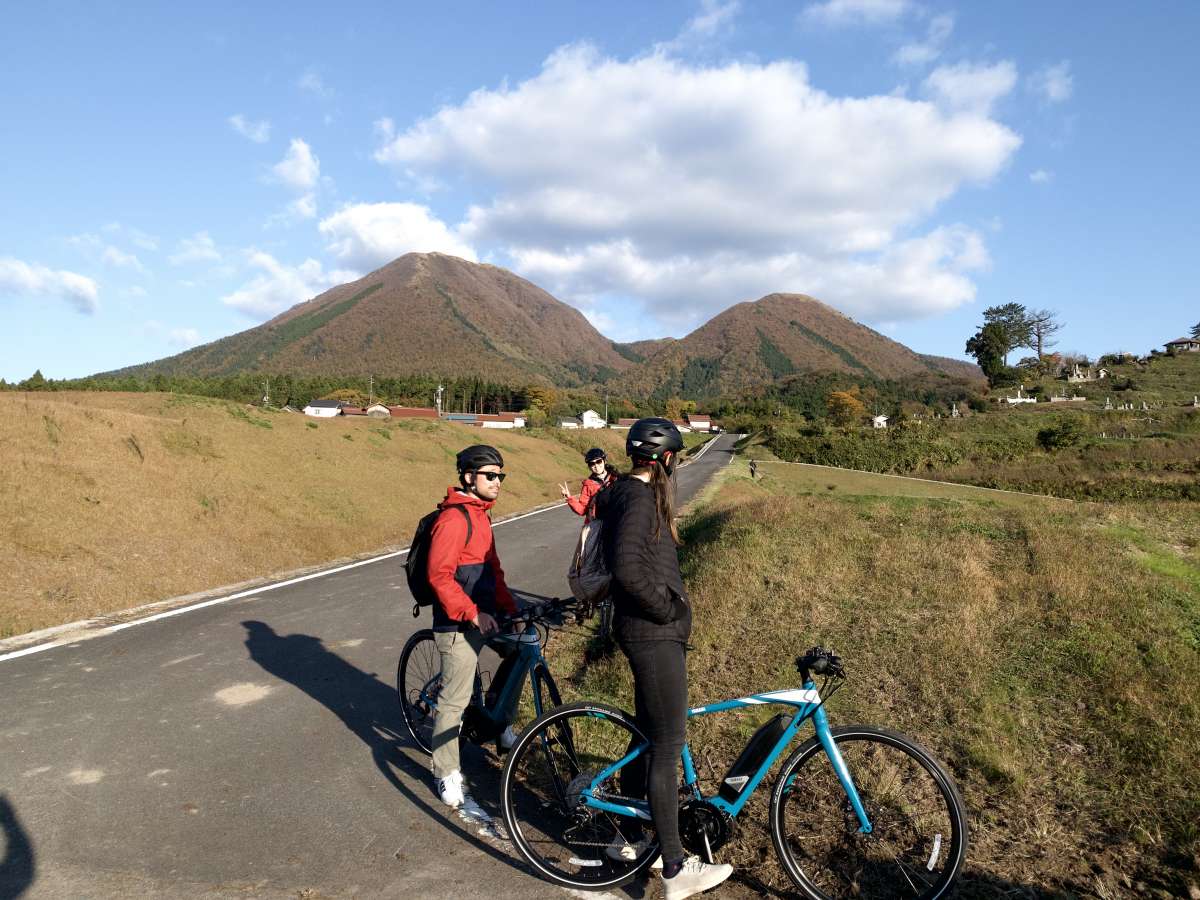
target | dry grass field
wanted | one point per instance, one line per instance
(1047, 651)
(109, 500)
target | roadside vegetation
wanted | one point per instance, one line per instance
(1047, 651)
(111, 500)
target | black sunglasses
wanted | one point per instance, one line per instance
(493, 476)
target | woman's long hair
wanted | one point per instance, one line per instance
(663, 486)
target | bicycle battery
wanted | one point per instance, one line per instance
(761, 743)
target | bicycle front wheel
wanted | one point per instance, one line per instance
(919, 829)
(418, 684)
(557, 758)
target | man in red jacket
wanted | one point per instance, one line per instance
(469, 584)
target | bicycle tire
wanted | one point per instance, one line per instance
(535, 797)
(420, 665)
(919, 837)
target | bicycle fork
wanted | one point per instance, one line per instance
(821, 724)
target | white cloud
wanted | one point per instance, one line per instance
(1041, 176)
(279, 286)
(97, 249)
(198, 248)
(121, 259)
(299, 169)
(259, 132)
(183, 337)
(695, 186)
(24, 279)
(714, 18)
(840, 13)
(971, 88)
(304, 207)
(312, 82)
(1054, 83)
(176, 337)
(922, 53)
(138, 238)
(368, 235)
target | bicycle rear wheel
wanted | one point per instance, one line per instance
(919, 837)
(418, 684)
(556, 759)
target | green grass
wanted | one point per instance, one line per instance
(1046, 651)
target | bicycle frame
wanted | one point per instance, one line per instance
(806, 702)
(529, 657)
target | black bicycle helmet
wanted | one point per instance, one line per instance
(478, 455)
(594, 454)
(651, 438)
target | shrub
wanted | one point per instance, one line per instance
(1067, 433)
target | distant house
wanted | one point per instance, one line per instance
(378, 411)
(1184, 345)
(592, 419)
(325, 409)
(501, 420)
(570, 423)
(624, 423)
(412, 412)
(353, 411)
(699, 422)
(879, 421)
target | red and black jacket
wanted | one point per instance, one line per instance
(591, 486)
(465, 575)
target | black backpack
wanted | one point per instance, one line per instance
(416, 567)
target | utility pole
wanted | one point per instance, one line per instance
(440, 391)
(606, 409)
(371, 390)
(267, 391)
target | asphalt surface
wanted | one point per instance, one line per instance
(255, 748)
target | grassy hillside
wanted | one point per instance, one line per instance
(1048, 652)
(1045, 448)
(112, 500)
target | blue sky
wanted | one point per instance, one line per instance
(170, 174)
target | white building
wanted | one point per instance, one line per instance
(592, 419)
(569, 423)
(324, 409)
(879, 421)
(699, 422)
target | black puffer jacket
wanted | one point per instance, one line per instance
(649, 600)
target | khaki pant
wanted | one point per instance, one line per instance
(460, 657)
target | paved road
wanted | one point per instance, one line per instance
(252, 748)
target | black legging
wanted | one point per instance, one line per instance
(660, 705)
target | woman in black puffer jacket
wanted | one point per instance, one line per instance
(652, 620)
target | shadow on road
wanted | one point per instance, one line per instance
(368, 707)
(17, 869)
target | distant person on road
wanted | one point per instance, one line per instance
(652, 620)
(600, 476)
(754, 468)
(469, 585)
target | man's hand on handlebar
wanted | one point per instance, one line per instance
(485, 623)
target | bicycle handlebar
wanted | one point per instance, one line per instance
(820, 661)
(548, 613)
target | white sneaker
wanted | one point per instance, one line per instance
(623, 851)
(451, 790)
(453, 793)
(508, 738)
(694, 878)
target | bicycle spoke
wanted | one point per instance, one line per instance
(914, 847)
